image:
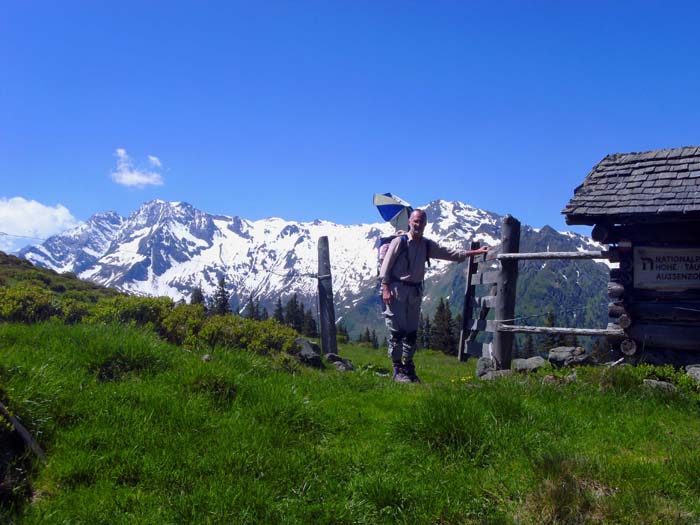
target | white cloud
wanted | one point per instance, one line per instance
(127, 175)
(21, 218)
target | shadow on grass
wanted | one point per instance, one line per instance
(119, 366)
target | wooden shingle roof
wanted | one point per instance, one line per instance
(630, 187)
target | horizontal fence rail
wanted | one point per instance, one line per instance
(608, 332)
(553, 255)
(499, 267)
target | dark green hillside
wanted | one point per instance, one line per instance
(30, 294)
(16, 272)
(576, 291)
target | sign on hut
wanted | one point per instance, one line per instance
(646, 208)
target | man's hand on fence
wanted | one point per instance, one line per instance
(478, 251)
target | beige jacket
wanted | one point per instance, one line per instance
(409, 264)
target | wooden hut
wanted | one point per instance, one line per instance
(646, 207)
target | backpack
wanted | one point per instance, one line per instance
(383, 247)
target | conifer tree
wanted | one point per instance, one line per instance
(279, 312)
(420, 333)
(299, 320)
(529, 348)
(294, 314)
(197, 296)
(366, 337)
(341, 333)
(264, 315)
(453, 337)
(550, 341)
(457, 329)
(427, 332)
(256, 309)
(309, 325)
(252, 310)
(442, 331)
(220, 301)
(373, 339)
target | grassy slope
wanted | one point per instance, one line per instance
(15, 271)
(138, 431)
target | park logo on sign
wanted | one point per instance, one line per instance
(666, 268)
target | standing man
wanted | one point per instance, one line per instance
(402, 275)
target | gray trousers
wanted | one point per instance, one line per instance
(402, 317)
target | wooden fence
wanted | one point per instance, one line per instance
(498, 269)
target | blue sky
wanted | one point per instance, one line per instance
(304, 109)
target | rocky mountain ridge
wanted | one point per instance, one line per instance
(168, 248)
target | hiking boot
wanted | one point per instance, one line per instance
(410, 371)
(400, 375)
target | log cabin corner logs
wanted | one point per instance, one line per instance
(653, 318)
(628, 347)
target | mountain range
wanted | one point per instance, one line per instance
(169, 248)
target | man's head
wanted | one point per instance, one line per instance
(417, 222)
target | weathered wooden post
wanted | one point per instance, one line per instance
(505, 292)
(468, 307)
(329, 345)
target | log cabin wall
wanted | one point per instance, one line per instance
(655, 292)
(646, 208)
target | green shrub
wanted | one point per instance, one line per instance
(73, 311)
(270, 336)
(27, 304)
(35, 276)
(261, 337)
(620, 379)
(80, 296)
(141, 311)
(58, 288)
(625, 378)
(182, 324)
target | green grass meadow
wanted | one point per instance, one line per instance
(140, 431)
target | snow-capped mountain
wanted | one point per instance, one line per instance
(168, 248)
(79, 248)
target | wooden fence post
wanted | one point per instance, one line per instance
(468, 307)
(329, 345)
(505, 292)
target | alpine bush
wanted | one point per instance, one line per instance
(261, 337)
(27, 304)
(141, 311)
(181, 325)
(73, 311)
